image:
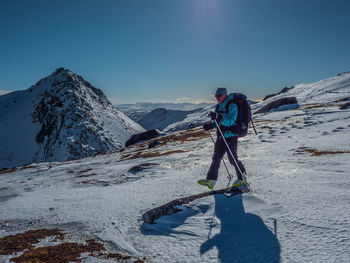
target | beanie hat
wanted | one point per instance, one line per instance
(221, 91)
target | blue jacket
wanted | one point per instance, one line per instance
(228, 118)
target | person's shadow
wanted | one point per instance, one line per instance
(243, 237)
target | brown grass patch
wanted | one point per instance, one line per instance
(84, 171)
(121, 256)
(180, 137)
(141, 150)
(315, 106)
(20, 242)
(85, 175)
(5, 171)
(62, 253)
(311, 106)
(148, 154)
(187, 136)
(88, 181)
(314, 152)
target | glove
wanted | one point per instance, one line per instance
(208, 126)
(213, 115)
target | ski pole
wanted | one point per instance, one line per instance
(239, 169)
(253, 126)
(229, 175)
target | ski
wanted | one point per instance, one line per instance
(235, 191)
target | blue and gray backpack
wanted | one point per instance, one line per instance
(244, 115)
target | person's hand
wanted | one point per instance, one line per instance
(213, 115)
(207, 126)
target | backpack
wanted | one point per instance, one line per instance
(244, 115)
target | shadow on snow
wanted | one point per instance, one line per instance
(243, 237)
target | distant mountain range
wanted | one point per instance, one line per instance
(62, 117)
(137, 110)
(160, 118)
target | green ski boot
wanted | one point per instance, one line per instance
(207, 182)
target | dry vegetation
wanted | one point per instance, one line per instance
(20, 242)
(141, 150)
(314, 152)
(148, 154)
(316, 106)
(177, 138)
(63, 253)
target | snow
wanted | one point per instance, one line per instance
(298, 210)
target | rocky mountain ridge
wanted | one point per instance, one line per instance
(65, 118)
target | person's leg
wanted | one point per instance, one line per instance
(219, 151)
(232, 142)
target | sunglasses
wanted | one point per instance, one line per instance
(219, 95)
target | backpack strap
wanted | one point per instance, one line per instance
(228, 104)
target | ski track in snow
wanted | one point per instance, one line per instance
(298, 210)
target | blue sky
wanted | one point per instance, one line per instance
(175, 50)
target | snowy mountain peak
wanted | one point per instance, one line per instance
(63, 78)
(63, 117)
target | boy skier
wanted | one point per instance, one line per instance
(225, 115)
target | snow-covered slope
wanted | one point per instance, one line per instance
(321, 92)
(62, 117)
(298, 210)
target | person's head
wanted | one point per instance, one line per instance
(221, 94)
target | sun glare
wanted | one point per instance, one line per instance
(206, 14)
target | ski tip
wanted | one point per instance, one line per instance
(235, 191)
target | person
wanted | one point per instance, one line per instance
(225, 115)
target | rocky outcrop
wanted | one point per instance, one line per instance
(284, 90)
(277, 103)
(345, 106)
(143, 136)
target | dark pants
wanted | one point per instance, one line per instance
(219, 152)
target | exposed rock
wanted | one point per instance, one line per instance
(153, 144)
(343, 99)
(277, 103)
(285, 89)
(340, 74)
(140, 167)
(269, 96)
(143, 136)
(345, 106)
